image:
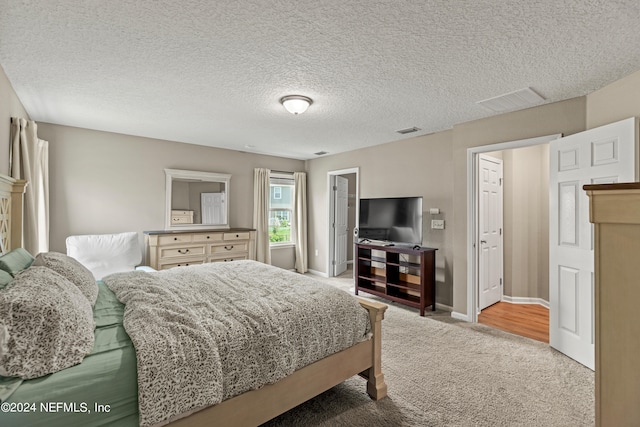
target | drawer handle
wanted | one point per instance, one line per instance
(228, 247)
(175, 238)
(208, 237)
(185, 251)
(183, 265)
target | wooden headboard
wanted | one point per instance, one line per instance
(11, 204)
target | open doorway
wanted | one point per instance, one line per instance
(524, 272)
(342, 190)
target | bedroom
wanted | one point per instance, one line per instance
(88, 167)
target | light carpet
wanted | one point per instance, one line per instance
(444, 372)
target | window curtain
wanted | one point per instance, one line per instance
(29, 160)
(261, 214)
(300, 221)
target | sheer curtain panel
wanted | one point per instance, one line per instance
(261, 214)
(30, 161)
(300, 218)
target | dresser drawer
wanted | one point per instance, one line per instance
(184, 251)
(182, 263)
(182, 217)
(234, 257)
(207, 237)
(242, 235)
(229, 248)
(174, 238)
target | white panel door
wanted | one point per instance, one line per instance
(213, 209)
(602, 155)
(341, 190)
(490, 240)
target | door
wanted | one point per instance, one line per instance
(212, 207)
(340, 190)
(490, 247)
(602, 155)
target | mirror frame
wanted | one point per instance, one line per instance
(172, 174)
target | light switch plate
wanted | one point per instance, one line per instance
(437, 224)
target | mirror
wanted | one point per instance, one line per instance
(196, 200)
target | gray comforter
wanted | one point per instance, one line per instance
(206, 333)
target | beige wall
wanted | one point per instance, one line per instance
(617, 101)
(566, 117)
(420, 166)
(10, 106)
(435, 166)
(526, 222)
(104, 182)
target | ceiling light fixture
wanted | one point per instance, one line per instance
(296, 104)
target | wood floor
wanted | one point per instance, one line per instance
(528, 320)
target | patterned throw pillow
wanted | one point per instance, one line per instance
(70, 268)
(46, 324)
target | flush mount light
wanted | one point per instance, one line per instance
(296, 104)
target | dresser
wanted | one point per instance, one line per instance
(167, 249)
(615, 211)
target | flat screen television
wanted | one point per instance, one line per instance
(391, 219)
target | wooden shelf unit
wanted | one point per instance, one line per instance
(401, 274)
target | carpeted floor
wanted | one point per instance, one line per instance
(444, 372)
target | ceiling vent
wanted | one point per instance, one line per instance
(408, 130)
(523, 98)
(321, 153)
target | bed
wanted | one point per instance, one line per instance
(79, 393)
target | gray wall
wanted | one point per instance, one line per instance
(566, 117)
(10, 106)
(419, 166)
(104, 182)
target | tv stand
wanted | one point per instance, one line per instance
(389, 276)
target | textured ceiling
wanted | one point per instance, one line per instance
(212, 72)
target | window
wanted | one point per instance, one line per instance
(281, 209)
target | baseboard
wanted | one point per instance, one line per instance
(525, 300)
(317, 273)
(444, 307)
(460, 316)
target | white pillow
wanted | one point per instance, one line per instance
(104, 254)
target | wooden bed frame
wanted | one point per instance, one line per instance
(256, 406)
(11, 211)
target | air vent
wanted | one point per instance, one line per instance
(408, 130)
(523, 98)
(321, 153)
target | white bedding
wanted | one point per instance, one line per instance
(206, 333)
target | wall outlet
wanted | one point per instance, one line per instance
(316, 252)
(437, 224)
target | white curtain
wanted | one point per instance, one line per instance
(30, 161)
(261, 214)
(300, 220)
